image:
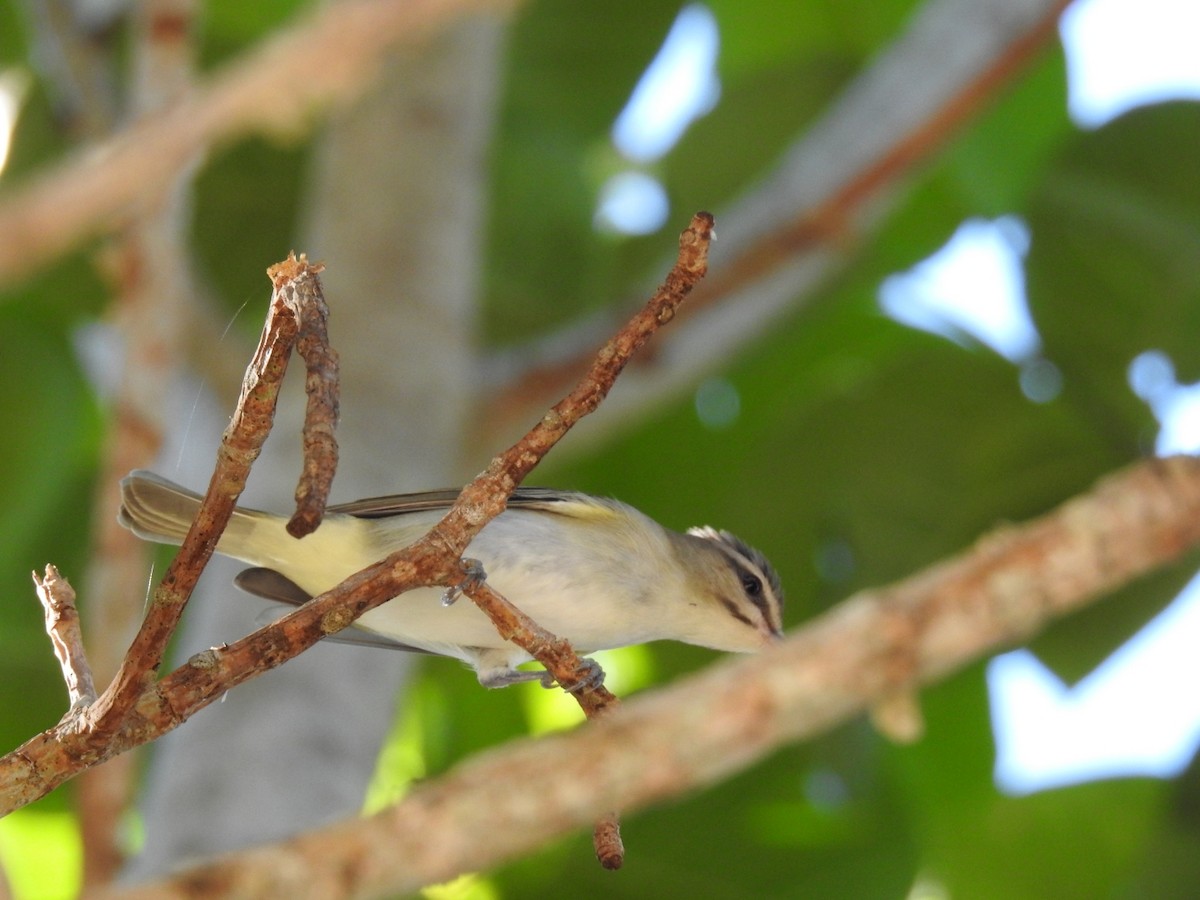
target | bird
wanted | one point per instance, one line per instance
(592, 570)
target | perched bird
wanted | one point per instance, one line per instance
(594, 571)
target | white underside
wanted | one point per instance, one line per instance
(526, 559)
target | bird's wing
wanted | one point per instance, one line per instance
(546, 499)
(272, 585)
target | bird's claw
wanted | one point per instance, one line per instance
(473, 576)
(592, 679)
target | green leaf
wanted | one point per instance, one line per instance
(1114, 267)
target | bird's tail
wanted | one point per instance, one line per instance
(156, 509)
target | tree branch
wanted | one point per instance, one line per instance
(321, 413)
(708, 726)
(330, 55)
(62, 625)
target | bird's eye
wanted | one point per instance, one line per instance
(751, 584)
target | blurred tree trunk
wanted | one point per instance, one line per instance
(397, 214)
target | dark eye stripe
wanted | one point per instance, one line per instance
(752, 586)
(735, 612)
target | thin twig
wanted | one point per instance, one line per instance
(507, 469)
(62, 625)
(554, 653)
(606, 838)
(705, 727)
(321, 385)
(571, 672)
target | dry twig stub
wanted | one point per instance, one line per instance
(62, 626)
(298, 284)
